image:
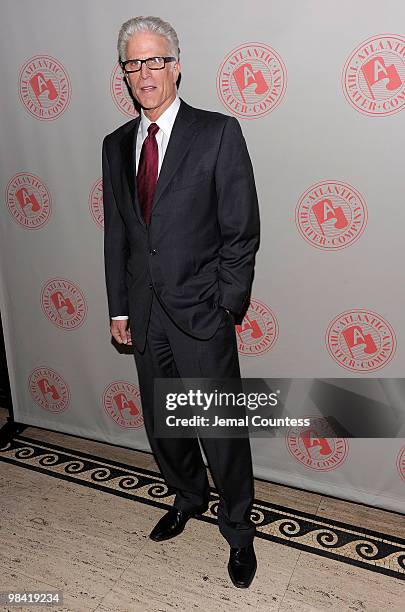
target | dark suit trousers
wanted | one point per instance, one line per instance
(170, 352)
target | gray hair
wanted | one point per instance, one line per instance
(147, 24)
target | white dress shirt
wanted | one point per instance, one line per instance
(165, 123)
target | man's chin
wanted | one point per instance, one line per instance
(147, 105)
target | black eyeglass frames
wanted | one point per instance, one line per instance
(153, 63)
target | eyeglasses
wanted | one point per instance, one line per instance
(154, 63)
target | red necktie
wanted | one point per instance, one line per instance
(147, 172)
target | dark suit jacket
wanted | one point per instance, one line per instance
(198, 252)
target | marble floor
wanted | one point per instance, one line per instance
(75, 517)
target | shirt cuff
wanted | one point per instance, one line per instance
(120, 318)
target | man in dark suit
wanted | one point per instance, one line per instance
(181, 232)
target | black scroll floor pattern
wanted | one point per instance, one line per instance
(364, 548)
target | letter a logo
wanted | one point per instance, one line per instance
(122, 402)
(355, 337)
(311, 439)
(47, 389)
(245, 76)
(59, 301)
(24, 198)
(324, 211)
(39, 85)
(375, 70)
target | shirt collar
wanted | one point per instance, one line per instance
(165, 121)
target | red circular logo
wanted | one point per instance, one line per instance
(258, 331)
(373, 76)
(63, 303)
(122, 402)
(28, 200)
(44, 87)
(315, 447)
(252, 80)
(96, 203)
(120, 93)
(331, 215)
(360, 340)
(49, 389)
(401, 462)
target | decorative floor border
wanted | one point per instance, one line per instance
(377, 552)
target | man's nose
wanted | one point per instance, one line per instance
(145, 71)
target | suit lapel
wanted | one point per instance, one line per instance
(181, 139)
(128, 149)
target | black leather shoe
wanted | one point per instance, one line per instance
(173, 522)
(242, 566)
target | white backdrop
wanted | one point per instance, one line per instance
(319, 90)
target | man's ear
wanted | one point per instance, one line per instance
(177, 70)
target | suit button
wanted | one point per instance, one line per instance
(153, 251)
(150, 285)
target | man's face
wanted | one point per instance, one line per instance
(155, 90)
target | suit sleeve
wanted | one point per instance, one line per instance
(238, 217)
(116, 249)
